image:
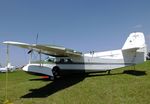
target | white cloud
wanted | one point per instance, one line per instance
(138, 26)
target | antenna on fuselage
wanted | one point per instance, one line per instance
(31, 50)
(37, 36)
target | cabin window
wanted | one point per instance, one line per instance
(69, 60)
(50, 59)
(62, 60)
(65, 61)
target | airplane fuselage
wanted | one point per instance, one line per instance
(90, 62)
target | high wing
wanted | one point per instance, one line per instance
(51, 50)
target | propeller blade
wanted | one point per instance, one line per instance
(30, 51)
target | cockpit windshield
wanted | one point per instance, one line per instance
(50, 59)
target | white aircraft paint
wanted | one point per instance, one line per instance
(133, 52)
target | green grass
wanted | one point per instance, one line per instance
(131, 87)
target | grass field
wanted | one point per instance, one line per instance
(123, 86)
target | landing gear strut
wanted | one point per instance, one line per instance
(109, 71)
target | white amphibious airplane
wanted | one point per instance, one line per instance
(64, 59)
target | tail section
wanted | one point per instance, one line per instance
(134, 50)
(135, 40)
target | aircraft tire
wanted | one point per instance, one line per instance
(55, 71)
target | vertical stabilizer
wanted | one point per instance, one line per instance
(134, 50)
(135, 40)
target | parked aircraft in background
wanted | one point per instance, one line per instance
(63, 59)
(9, 67)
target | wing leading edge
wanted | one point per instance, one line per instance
(51, 50)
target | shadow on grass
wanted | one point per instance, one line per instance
(135, 72)
(54, 86)
(57, 85)
(68, 81)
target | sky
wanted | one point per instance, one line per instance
(82, 25)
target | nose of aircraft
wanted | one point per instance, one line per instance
(25, 68)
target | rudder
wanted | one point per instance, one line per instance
(134, 50)
(135, 40)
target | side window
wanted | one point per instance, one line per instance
(65, 61)
(69, 60)
(62, 60)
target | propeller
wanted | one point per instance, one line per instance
(37, 36)
(36, 41)
(31, 50)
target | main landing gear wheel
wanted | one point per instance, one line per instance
(55, 72)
